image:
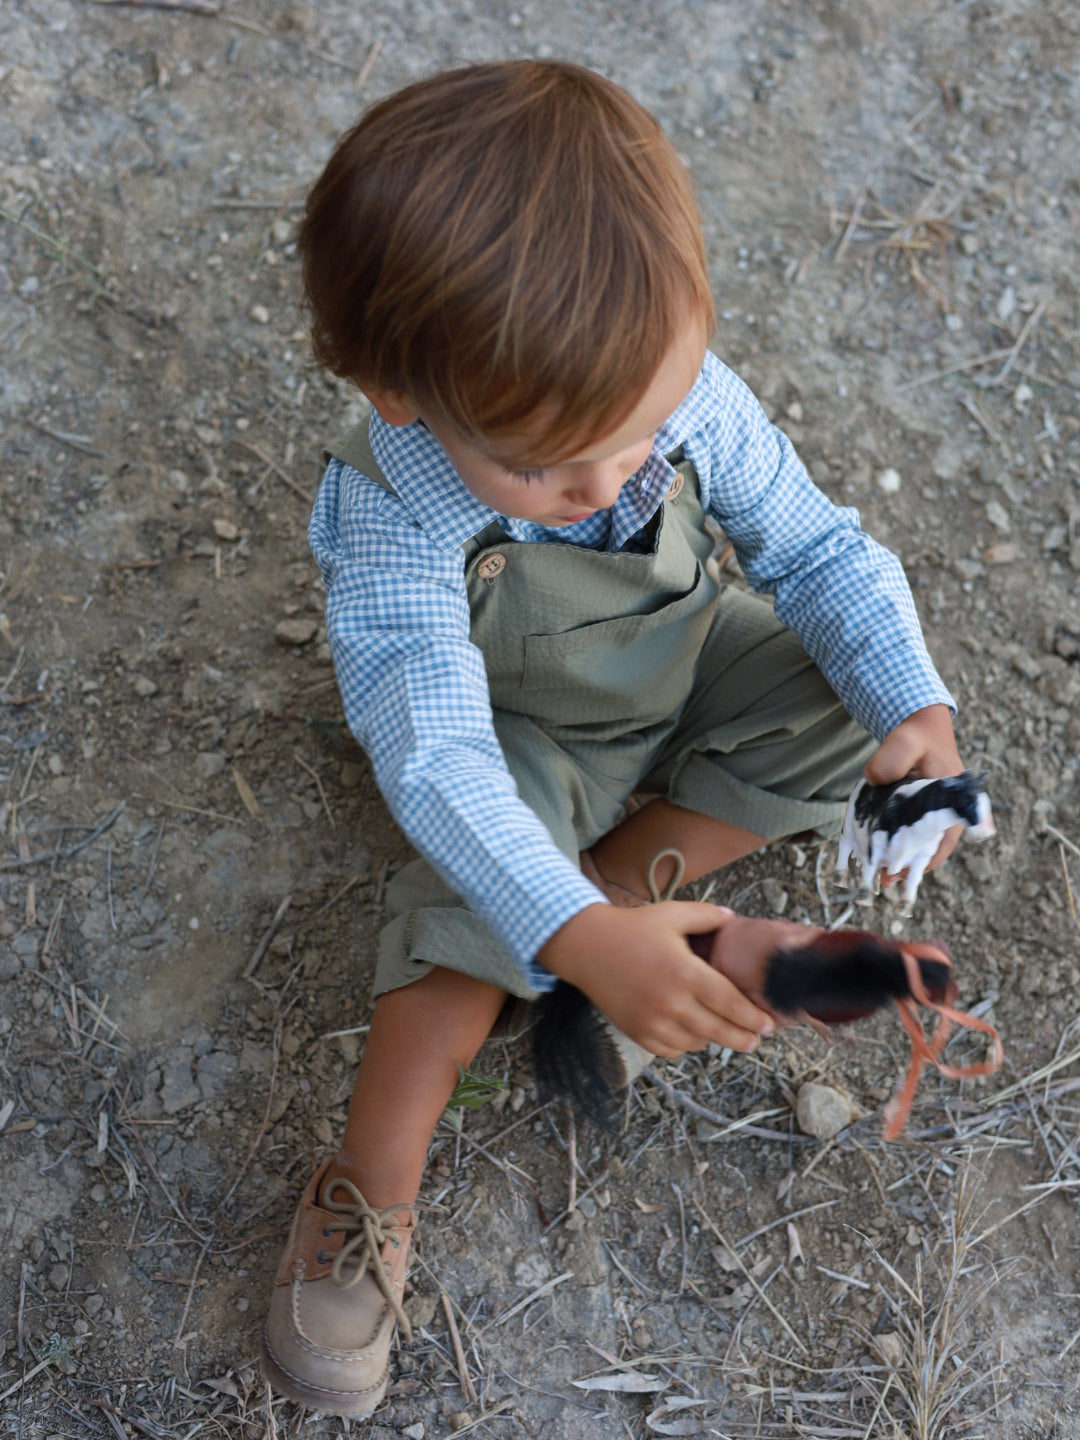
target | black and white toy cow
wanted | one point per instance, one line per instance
(889, 828)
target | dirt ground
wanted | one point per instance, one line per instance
(892, 201)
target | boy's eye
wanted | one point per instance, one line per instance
(527, 476)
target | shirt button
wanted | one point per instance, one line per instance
(675, 488)
(491, 565)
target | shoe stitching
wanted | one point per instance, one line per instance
(321, 1389)
(336, 1357)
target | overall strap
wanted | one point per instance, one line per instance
(355, 449)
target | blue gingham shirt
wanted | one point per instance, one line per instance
(415, 689)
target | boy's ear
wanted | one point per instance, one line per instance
(395, 406)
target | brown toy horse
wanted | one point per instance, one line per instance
(800, 974)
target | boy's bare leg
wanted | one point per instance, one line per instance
(623, 854)
(419, 1035)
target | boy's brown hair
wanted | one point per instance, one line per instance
(513, 245)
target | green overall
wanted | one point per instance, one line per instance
(612, 674)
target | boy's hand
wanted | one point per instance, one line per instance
(636, 967)
(922, 747)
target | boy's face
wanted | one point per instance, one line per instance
(590, 480)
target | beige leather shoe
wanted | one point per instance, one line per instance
(337, 1299)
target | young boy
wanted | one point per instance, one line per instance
(528, 629)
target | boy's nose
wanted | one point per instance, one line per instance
(598, 488)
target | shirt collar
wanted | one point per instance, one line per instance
(420, 471)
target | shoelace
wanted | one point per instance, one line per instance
(366, 1231)
(928, 1052)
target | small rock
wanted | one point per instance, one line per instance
(1003, 554)
(776, 897)
(795, 411)
(889, 482)
(58, 1276)
(282, 231)
(998, 516)
(1007, 303)
(1055, 537)
(351, 774)
(420, 1308)
(414, 1432)
(144, 687)
(822, 1111)
(226, 530)
(178, 1090)
(209, 763)
(243, 1304)
(1022, 395)
(889, 1348)
(295, 632)
(260, 314)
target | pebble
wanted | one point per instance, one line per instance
(776, 897)
(420, 1308)
(260, 314)
(822, 1111)
(889, 1348)
(1003, 554)
(888, 481)
(209, 763)
(295, 632)
(998, 516)
(144, 686)
(414, 1432)
(226, 530)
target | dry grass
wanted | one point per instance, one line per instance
(939, 1381)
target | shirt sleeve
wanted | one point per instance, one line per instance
(415, 694)
(843, 594)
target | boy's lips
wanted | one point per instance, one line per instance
(581, 515)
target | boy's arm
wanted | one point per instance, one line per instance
(843, 594)
(415, 695)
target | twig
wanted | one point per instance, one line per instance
(571, 1156)
(191, 1291)
(28, 1376)
(536, 1294)
(264, 943)
(682, 1231)
(1014, 354)
(319, 786)
(337, 895)
(1062, 839)
(153, 860)
(459, 1354)
(366, 68)
(68, 850)
(961, 365)
(731, 1126)
(189, 809)
(278, 471)
(754, 1284)
(82, 443)
(108, 887)
(845, 239)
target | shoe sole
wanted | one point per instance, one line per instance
(326, 1402)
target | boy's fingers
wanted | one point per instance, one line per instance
(726, 1004)
(696, 917)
